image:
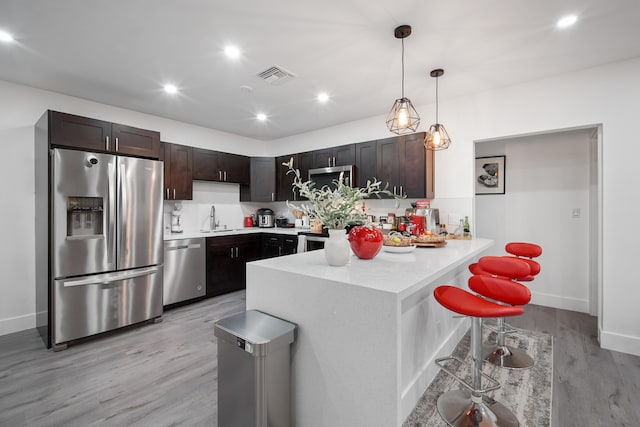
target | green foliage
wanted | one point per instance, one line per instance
(336, 207)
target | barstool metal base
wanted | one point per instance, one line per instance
(508, 357)
(458, 409)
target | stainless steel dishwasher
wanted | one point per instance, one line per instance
(184, 270)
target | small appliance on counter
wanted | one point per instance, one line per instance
(265, 218)
(283, 222)
(176, 226)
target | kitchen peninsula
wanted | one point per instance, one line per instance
(368, 332)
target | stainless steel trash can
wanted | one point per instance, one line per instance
(254, 370)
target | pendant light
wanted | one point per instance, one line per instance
(437, 137)
(403, 118)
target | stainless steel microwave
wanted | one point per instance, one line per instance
(328, 176)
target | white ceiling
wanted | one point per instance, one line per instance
(121, 52)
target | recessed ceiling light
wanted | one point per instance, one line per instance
(232, 52)
(323, 97)
(5, 37)
(566, 21)
(171, 89)
(261, 116)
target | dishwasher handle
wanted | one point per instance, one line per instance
(191, 246)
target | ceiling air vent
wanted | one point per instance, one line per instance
(276, 75)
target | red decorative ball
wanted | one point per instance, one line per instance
(365, 242)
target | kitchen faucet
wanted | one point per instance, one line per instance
(213, 224)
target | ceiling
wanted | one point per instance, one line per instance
(121, 53)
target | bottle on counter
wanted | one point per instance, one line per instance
(466, 229)
(459, 231)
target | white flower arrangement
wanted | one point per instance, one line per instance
(338, 207)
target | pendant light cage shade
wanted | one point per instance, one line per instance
(437, 138)
(403, 118)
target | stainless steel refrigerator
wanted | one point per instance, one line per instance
(106, 239)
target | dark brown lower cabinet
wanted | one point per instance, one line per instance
(274, 245)
(227, 257)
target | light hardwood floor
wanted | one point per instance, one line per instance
(165, 374)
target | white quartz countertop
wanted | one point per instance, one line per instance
(399, 273)
(191, 234)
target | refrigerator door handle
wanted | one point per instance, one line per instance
(102, 279)
(111, 214)
(122, 214)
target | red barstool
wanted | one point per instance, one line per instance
(471, 407)
(526, 252)
(490, 284)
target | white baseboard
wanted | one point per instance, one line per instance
(17, 324)
(561, 302)
(619, 342)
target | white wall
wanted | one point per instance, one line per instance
(547, 176)
(607, 95)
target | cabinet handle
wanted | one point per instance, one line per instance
(401, 192)
(394, 190)
(167, 193)
(106, 139)
(116, 143)
(334, 161)
(219, 175)
(236, 252)
(225, 176)
(231, 253)
(279, 251)
(273, 197)
(174, 194)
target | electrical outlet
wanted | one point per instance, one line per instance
(575, 213)
(454, 219)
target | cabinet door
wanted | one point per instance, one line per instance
(323, 158)
(178, 172)
(366, 160)
(289, 245)
(235, 168)
(271, 245)
(135, 142)
(412, 166)
(305, 162)
(284, 180)
(206, 165)
(68, 130)
(262, 187)
(387, 163)
(223, 272)
(345, 155)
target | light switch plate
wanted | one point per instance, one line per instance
(575, 213)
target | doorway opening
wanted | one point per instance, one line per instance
(552, 197)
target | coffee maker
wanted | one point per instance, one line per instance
(176, 226)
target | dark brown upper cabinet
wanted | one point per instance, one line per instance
(366, 163)
(262, 185)
(178, 175)
(404, 163)
(343, 155)
(71, 131)
(284, 180)
(209, 165)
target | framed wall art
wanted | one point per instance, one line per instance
(489, 175)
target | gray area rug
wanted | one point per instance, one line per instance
(527, 392)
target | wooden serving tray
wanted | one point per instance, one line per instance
(431, 245)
